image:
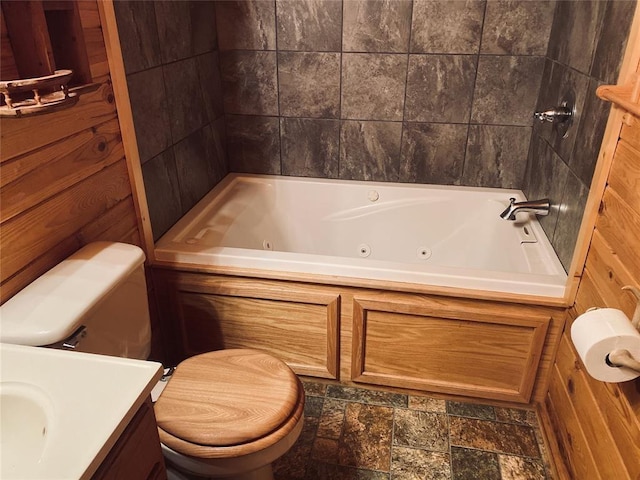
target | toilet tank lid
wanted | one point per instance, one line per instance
(53, 306)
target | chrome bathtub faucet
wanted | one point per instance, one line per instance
(539, 207)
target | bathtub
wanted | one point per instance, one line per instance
(416, 234)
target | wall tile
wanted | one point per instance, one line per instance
(138, 35)
(569, 219)
(557, 81)
(310, 147)
(444, 26)
(373, 86)
(574, 31)
(612, 40)
(517, 27)
(432, 153)
(496, 156)
(440, 88)
(370, 150)
(312, 25)
(545, 178)
(211, 84)
(506, 89)
(253, 144)
(150, 112)
(221, 161)
(376, 25)
(163, 192)
(246, 24)
(195, 161)
(185, 28)
(184, 98)
(589, 134)
(309, 84)
(249, 82)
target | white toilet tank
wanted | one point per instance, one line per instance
(102, 288)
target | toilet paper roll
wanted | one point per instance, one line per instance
(596, 333)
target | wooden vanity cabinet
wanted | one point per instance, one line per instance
(137, 454)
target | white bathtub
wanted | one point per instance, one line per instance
(433, 235)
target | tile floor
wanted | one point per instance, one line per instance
(363, 434)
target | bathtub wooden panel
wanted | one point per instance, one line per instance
(480, 351)
(318, 330)
(296, 323)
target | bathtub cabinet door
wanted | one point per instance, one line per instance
(295, 322)
(475, 349)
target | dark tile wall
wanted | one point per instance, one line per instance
(170, 51)
(390, 90)
(585, 50)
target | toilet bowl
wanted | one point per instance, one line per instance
(229, 414)
(224, 414)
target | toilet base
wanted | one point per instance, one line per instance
(263, 473)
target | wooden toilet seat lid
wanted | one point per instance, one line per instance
(227, 397)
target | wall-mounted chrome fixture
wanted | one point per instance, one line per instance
(561, 116)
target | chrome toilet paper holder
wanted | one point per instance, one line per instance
(623, 358)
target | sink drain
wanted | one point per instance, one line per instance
(423, 253)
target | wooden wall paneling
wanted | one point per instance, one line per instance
(67, 39)
(609, 461)
(624, 177)
(39, 264)
(619, 225)
(609, 275)
(42, 227)
(576, 455)
(27, 29)
(478, 352)
(34, 177)
(21, 135)
(631, 131)
(8, 68)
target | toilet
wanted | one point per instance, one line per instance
(222, 414)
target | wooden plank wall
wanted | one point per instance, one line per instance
(64, 180)
(594, 427)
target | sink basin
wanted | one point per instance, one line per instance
(25, 418)
(61, 412)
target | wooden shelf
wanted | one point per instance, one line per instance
(625, 96)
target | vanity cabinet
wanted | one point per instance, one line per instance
(137, 454)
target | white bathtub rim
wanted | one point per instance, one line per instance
(552, 286)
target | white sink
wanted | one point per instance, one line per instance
(26, 414)
(61, 412)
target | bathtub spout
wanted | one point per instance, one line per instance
(539, 207)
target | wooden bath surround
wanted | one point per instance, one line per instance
(430, 339)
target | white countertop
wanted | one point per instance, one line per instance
(61, 412)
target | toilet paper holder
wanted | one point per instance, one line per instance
(623, 358)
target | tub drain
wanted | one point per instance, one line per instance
(364, 250)
(267, 245)
(423, 253)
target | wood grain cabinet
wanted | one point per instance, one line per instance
(454, 346)
(137, 454)
(430, 342)
(295, 322)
